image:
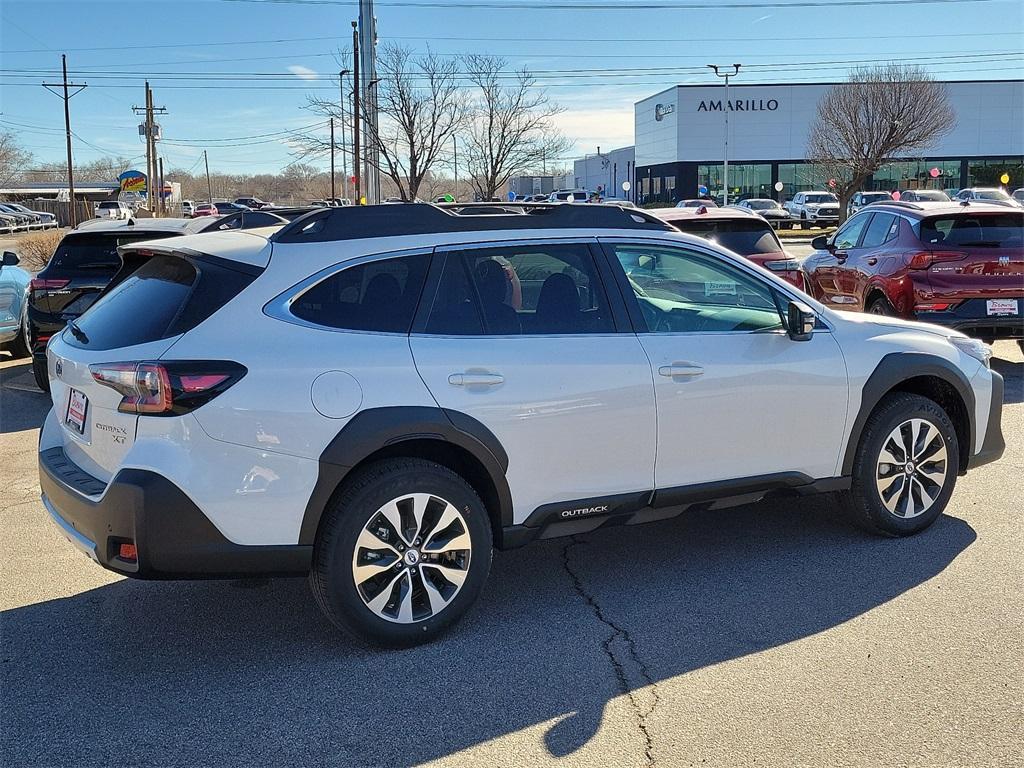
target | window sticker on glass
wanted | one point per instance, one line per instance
(719, 288)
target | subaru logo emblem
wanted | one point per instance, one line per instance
(58, 368)
(1004, 261)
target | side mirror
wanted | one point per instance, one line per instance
(10, 259)
(820, 243)
(801, 321)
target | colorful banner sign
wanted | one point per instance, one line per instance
(133, 181)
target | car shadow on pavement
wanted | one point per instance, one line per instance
(22, 405)
(248, 672)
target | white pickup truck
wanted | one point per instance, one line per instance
(815, 209)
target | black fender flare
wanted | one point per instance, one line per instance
(891, 371)
(376, 428)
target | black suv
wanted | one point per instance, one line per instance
(86, 260)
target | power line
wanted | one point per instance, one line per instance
(613, 5)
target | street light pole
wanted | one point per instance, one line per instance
(725, 166)
(455, 166)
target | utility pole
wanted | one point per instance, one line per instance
(455, 166)
(356, 171)
(725, 167)
(344, 160)
(161, 206)
(149, 129)
(73, 218)
(333, 191)
(209, 186)
(367, 64)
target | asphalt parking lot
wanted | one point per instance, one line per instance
(771, 634)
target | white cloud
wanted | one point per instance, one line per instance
(593, 128)
(304, 72)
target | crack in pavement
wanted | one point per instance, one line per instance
(619, 634)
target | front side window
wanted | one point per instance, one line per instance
(683, 291)
(372, 296)
(532, 289)
(849, 235)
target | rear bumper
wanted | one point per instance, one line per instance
(971, 317)
(993, 445)
(174, 539)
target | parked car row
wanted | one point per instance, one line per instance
(377, 398)
(15, 217)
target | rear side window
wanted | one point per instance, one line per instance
(534, 289)
(1001, 230)
(95, 252)
(743, 236)
(165, 297)
(883, 227)
(373, 296)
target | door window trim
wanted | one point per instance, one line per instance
(633, 307)
(608, 282)
(280, 306)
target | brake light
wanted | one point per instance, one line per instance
(38, 284)
(151, 388)
(935, 306)
(924, 259)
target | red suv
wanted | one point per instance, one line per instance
(956, 264)
(740, 230)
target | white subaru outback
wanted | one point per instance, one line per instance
(376, 397)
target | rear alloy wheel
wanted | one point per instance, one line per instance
(905, 468)
(402, 554)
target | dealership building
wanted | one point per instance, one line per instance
(680, 142)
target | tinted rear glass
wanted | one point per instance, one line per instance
(95, 252)
(1002, 230)
(109, 205)
(166, 296)
(741, 236)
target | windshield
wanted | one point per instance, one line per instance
(929, 194)
(108, 205)
(1002, 230)
(991, 194)
(761, 205)
(821, 198)
(873, 196)
(747, 238)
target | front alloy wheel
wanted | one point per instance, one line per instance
(412, 558)
(912, 468)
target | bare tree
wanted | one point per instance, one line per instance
(14, 159)
(511, 129)
(420, 108)
(878, 115)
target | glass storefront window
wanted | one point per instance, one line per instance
(987, 173)
(745, 180)
(916, 174)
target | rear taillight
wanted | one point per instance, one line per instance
(934, 306)
(39, 284)
(924, 259)
(783, 265)
(151, 388)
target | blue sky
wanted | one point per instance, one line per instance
(979, 40)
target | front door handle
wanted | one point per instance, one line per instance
(675, 370)
(872, 261)
(475, 379)
(841, 256)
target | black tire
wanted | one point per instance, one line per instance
(19, 346)
(863, 502)
(1020, 343)
(40, 374)
(332, 579)
(880, 306)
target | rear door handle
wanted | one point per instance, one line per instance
(475, 379)
(872, 261)
(841, 256)
(681, 369)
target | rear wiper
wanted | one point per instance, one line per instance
(981, 244)
(78, 332)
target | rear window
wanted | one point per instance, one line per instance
(760, 205)
(1002, 230)
(165, 297)
(98, 251)
(741, 236)
(109, 205)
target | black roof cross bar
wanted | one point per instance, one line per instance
(394, 220)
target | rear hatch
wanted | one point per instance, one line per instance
(139, 320)
(975, 254)
(80, 268)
